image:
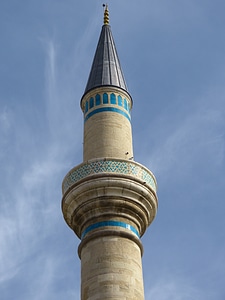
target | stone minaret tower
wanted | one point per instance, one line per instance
(109, 200)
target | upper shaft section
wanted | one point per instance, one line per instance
(106, 69)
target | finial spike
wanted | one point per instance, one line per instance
(106, 14)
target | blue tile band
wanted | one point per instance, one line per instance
(109, 223)
(109, 108)
(121, 167)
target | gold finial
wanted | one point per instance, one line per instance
(106, 14)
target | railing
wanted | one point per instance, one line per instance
(109, 166)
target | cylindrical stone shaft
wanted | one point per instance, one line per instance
(111, 268)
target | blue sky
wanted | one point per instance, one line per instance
(173, 57)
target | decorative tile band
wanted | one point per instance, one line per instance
(109, 223)
(116, 166)
(106, 98)
(108, 108)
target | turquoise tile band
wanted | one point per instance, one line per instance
(109, 223)
(106, 109)
(112, 166)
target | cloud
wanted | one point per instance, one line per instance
(176, 289)
(51, 72)
(5, 119)
(31, 187)
(39, 147)
(30, 213)
(186, 141)
(27, 215)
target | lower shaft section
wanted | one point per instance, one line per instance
(111, 268)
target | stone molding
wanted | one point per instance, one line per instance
(108, 232)
(105, 197)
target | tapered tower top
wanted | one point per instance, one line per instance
(106, 69)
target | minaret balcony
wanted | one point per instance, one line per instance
(105, 192)
(111, 166)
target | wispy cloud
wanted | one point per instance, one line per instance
(185, 144)
(5, 119)
(26, 214)
(176, 289)
(30, 201)
(51, 72)
(39, 147)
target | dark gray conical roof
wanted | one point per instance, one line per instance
(106, 69)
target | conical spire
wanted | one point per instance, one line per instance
(106, 69)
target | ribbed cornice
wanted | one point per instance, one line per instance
(106, 69)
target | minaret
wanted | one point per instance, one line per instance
(109, 200)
